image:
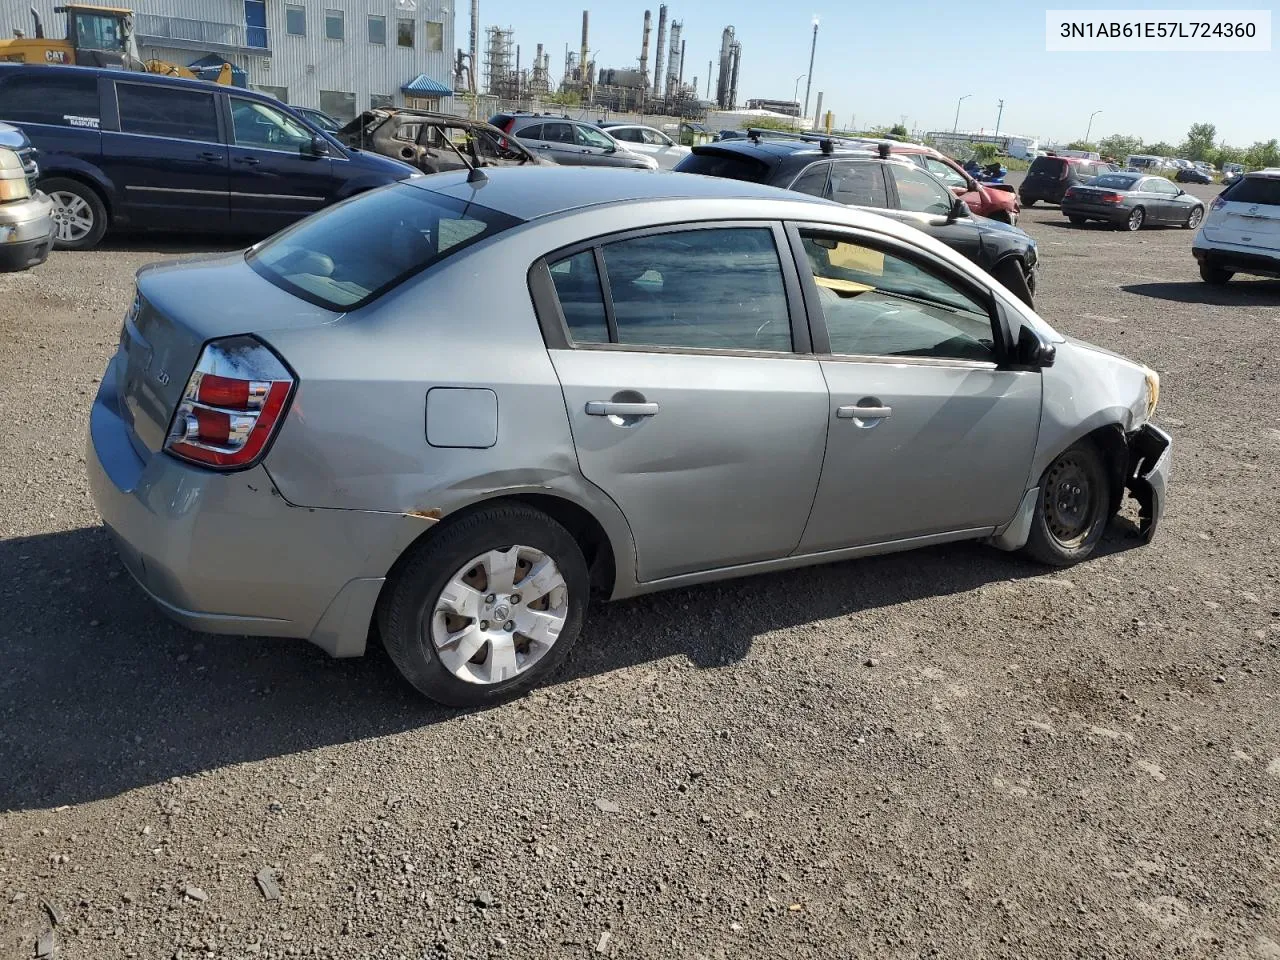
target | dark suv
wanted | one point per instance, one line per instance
(570, 142)
(139, 150)
(849, 173)
(1049, 178)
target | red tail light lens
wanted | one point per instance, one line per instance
(1112, 198)
(232, 405)
(511, 122)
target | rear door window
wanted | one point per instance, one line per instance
(859, 184)
(577, 283)
(557, 133)
(163, 111)
(626, 134)
(347, 255)
(61, 98)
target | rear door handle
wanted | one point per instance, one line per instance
(603, 408)
(864, 413)
(252, 161)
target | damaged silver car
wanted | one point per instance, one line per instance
(448, 410)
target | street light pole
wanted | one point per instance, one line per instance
(956, 126)
(813, 49)
(1089, 130)
(999, 117)
(796, 95)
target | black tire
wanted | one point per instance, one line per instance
(1137, 219)
(406, 610)
(1026, 202)
(1077, 220)
(1064, 530)
(1215, 276)
(72, 194)
(1010, 273)
(1194, 218)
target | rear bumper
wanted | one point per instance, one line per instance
(1150, 457)
(1037, 193)
(1246, 260)
(225, 553)
(1096, 211)
(26, 232)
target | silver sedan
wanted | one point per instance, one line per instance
(450, 410)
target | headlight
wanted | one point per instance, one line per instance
(13, 179)
(1153, 391)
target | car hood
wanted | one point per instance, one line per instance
(987, 225)
(1106, 374)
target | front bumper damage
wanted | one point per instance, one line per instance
(1150, 455)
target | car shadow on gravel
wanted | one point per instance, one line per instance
(1237, 293)
(102, 694)
(180, 244)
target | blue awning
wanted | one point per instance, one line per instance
(425, 86)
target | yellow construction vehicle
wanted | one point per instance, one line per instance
(96, 37)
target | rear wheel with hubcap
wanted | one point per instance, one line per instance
(79, 215)
(1071, 514)
(486, 607)
(1136, 219)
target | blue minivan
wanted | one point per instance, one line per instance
(136, 151)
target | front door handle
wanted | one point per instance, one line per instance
(864, 413)
(252, 161)
(603, 408)
(211, 157)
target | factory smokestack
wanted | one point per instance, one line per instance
(673, 57)
(680, 78)
(726, 68)
(644, 53)
(658, 78)
(733, 78)
(582, 63)
(475, 44)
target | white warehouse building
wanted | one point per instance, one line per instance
(340, 56)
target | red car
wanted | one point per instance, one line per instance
(999, 201)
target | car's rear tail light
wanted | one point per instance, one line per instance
(232, 405)
(1218, 203)
(1070, 191)
(1112, 198)
(511, 122)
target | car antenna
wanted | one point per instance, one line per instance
(475, 174)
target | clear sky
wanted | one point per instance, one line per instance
(914, 58)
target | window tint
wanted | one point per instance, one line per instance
(1047, 166)
(587, 137)
(335, 25)
(725, 165)
(919, 192)
(435, 36)
(557, 132)
(1259, 190)
(626, 134)
(377, 29)
(295, 19)
(257, 125)
(350, 253)
(717, 289)
(1115, 181)
(51, 97)
(944, 172)
(404, 33)
(531, 133)
(655, 139)
(880, 305)
(857, 184)
(578, 289)
(813, 181)
(162, 111)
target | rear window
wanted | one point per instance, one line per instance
(1050, 165)
(352, 253)
(1115, 182)
(728, 165)
(1261, 190)
(64, 99)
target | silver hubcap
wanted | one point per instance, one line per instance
(1195, 218)
(499, 615)
(1135, 220)
(72, 216)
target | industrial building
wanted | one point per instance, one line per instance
(790, 108)
(341, 56)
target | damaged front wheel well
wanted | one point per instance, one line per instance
(1111, 444)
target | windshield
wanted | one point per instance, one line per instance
(1048, 165)
(1114, 182)
(730, 166)
(349, 254)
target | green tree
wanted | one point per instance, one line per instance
(1119, 145)
(1263, 154)
(565, 98)
(899, 130)
(1160, 149)
(1199, 142)
(1081, 145)
(1226, 154)
(985, 152)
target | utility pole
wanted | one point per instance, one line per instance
(956, 126)
(999, 117)
(813, 49)
(709, 62)
(1090, 127)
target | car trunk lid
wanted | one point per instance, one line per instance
(175, 312)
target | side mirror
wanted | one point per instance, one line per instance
(959, 211)
(1031, 351)
(319, 146)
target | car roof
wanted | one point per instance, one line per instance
(1270, 173)
(532, 192)
(136, 76)
(778, 147)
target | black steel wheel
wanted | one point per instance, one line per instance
(1072, 512)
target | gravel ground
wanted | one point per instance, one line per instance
(950, 753)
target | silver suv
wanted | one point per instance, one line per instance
(26, 214)
(453, 409)
(570, 142)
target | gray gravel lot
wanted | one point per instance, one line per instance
(950, 753)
